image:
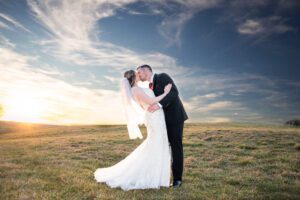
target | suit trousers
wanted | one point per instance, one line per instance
(175, 132)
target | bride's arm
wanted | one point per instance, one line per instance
(141, 96)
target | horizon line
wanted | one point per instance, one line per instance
(124, 124)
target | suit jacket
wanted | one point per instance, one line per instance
(172, 105)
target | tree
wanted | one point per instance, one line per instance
(294, 122)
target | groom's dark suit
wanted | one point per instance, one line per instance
(175, 116)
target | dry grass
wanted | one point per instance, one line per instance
(222, 161)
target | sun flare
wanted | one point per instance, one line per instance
(23, 106)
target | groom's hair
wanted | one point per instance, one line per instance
(144, 66)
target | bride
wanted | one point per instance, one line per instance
(148, 166)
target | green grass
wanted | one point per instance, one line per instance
(222, 161)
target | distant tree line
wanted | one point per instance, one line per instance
(293, 122)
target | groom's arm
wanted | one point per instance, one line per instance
(172, 95)
(165, 79)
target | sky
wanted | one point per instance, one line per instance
(61, 61)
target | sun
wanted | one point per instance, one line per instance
(23, 106)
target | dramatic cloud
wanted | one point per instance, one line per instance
(71, 73)
(73, 27)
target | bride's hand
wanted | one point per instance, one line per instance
(168, 88)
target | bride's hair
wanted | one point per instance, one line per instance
(130, 75)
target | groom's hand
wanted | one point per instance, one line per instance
(153, 108)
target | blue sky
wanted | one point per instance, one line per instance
(61, 62)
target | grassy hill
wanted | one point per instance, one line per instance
(222, 161)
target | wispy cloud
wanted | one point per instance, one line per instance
(4, 26)
(244, 97)
(9, 20)
(289, 4)
(76, 36)
(259, 19)
(213, 95)
(217, 120)
(217, 106)
(6, 42)
(201, 104)
(264, 26)
(177, 13)
(250, 3)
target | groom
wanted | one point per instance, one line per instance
(175, 115)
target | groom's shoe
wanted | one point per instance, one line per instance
(177, 184)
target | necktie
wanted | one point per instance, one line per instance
(151, 86)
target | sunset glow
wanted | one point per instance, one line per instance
(61, 62)
(23, 106)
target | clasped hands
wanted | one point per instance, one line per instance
(154, 107)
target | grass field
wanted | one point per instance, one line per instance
(222, 161)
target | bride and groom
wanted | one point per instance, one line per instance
(160, 109)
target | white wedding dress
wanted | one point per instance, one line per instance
(148, 166)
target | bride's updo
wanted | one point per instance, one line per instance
(130, 75)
